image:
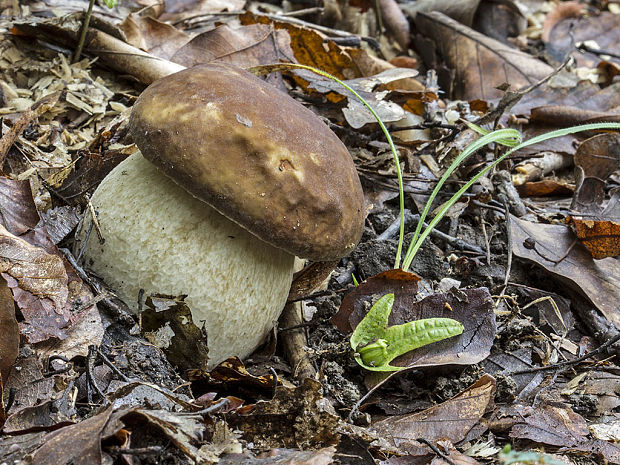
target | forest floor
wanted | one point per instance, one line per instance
(526, 260)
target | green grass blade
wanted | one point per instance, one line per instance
(535, 140)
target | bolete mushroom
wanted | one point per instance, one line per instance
(240, 179)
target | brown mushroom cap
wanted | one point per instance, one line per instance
(254, 154)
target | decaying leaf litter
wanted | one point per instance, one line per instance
(84, 381)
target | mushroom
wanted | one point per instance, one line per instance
(240, 179)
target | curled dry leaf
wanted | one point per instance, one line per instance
(39, 284)
(310, 47)
(151, 35)
(228, 377)
(472, 307)
(167, 323)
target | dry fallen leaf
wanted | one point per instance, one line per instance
(451, 420)
(167, 323)
(152, 35)
(310, 47)
(561, 11)
(597, 281)
(245, 46)
(39, 284)
(17, 209)
(79, 444)
(9, 341)
(597, 31)
(601, 237)
(596, 159)
(480, 64)
(559, 426)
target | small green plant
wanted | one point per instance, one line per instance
(376, 344)
(509, 457)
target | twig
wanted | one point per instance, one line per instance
(508, 242)
(455, 242)
(568, 363)
(435, 449)
(304, 12)
(95, 221)
(82, 39)
(369, 393)
(212, 408)
(109, 363)
(90, 377)
(487, 244)
(150, 450)
(510, 99)
(118, 311)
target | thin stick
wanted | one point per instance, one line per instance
(568, 363)
(80, 45)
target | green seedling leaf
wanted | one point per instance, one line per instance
(376, 345)
(111, 3)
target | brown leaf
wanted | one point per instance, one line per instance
(472, 307)
(480, 64)
(395, 22)
(601, 237)
(598, 281)
(554, 425)
(560, 12)
(310, 278)
(500, 20)
(451, 420)
(596, 159)
(18, 212)
(178, 10)
(462, 11)
(39, 284)
(246, 46)
(89, 170)
(151, 35)
(310, 47)
(79, 444)
(601, 28)
(9, 341)
(167, 323)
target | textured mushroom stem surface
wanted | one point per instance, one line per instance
(161, 239)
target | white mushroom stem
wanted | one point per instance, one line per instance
(161, 239)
